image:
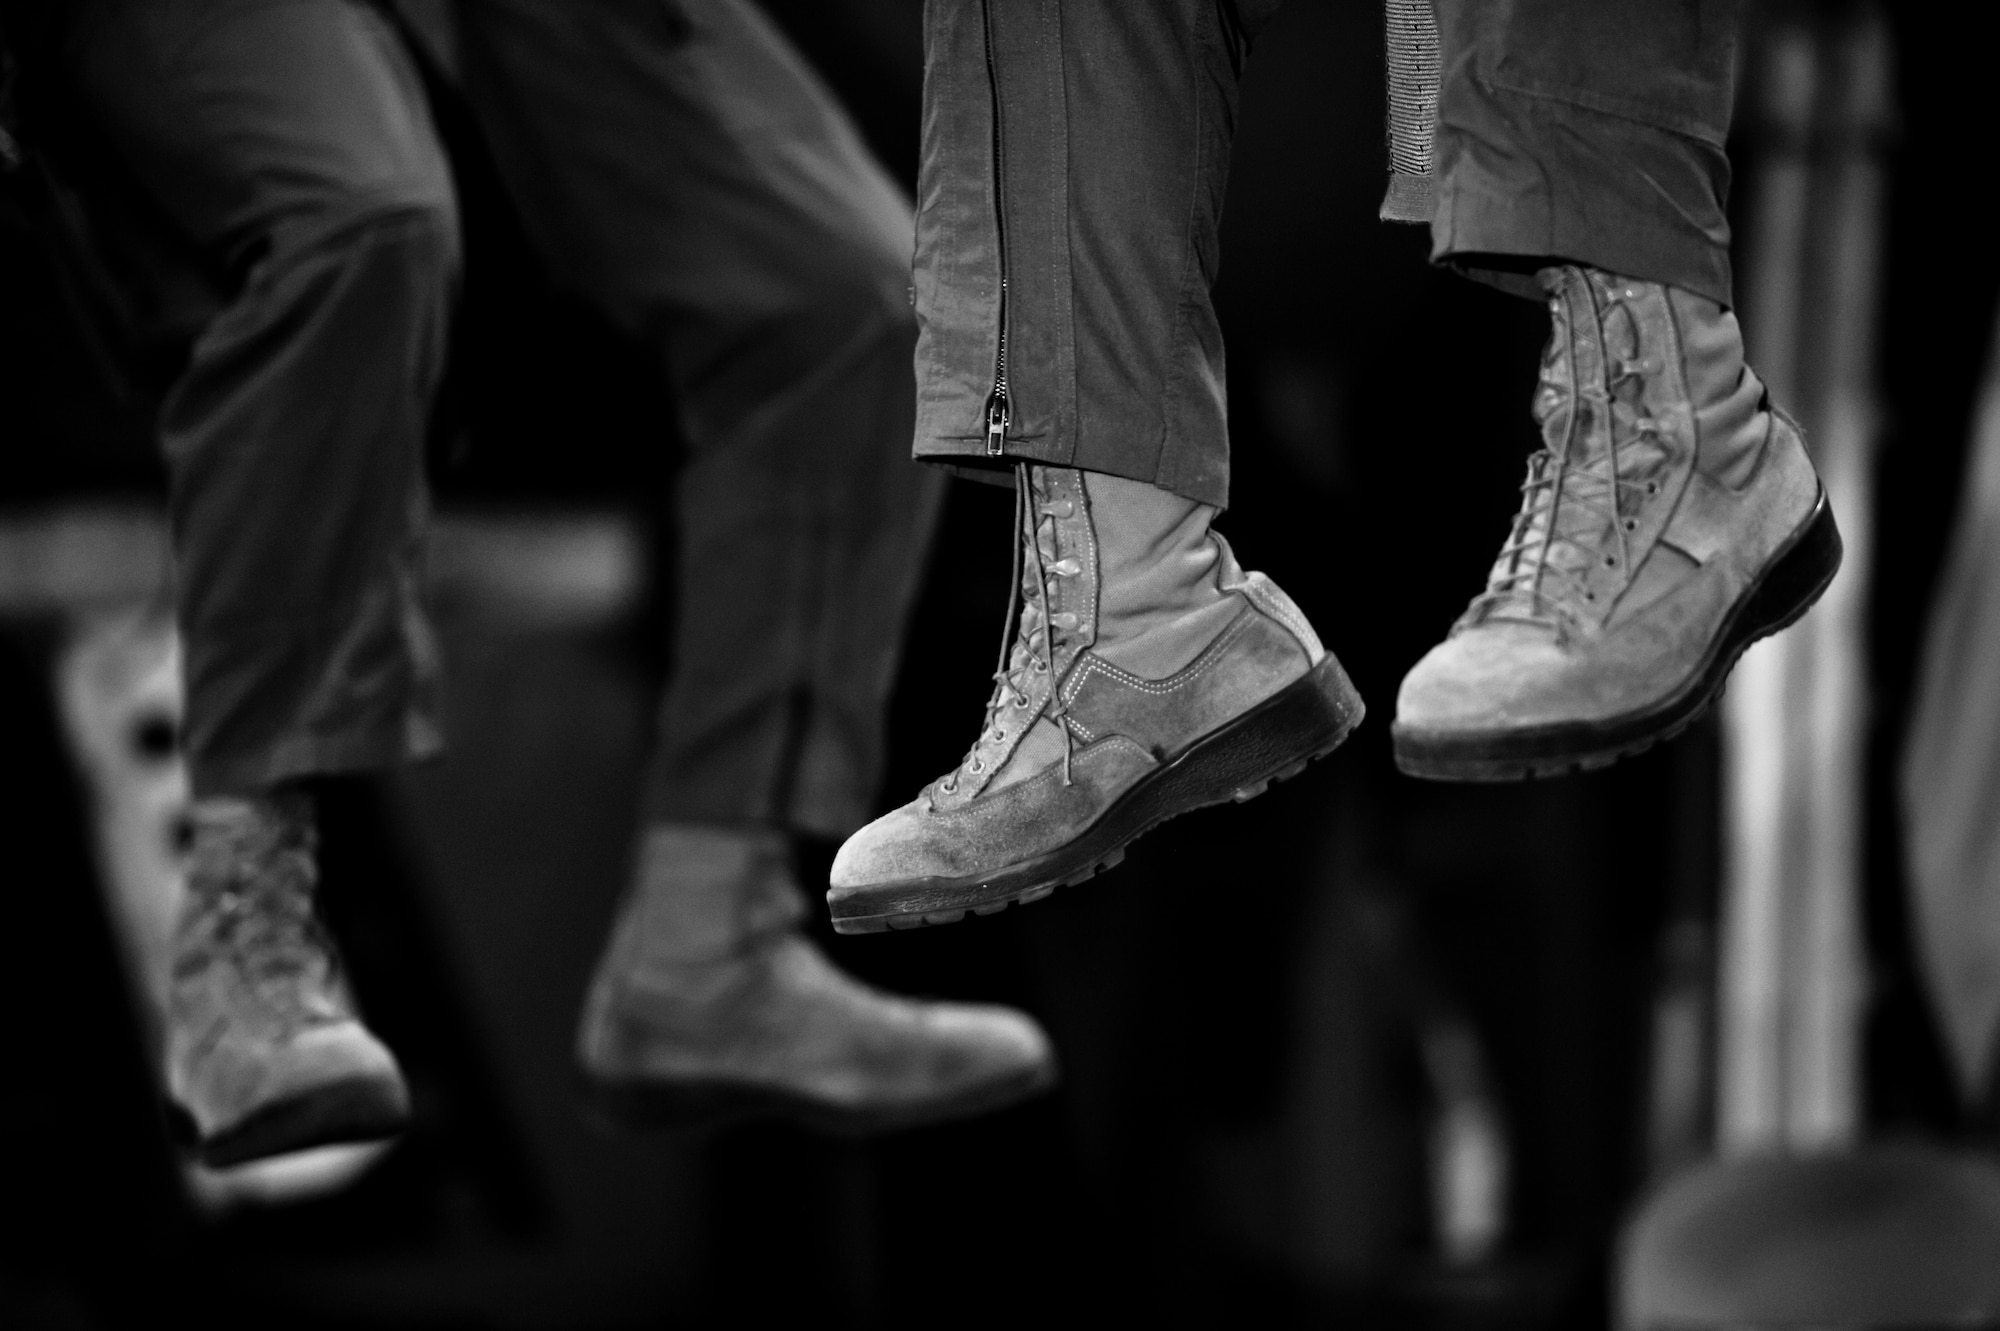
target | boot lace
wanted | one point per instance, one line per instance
(1028, 635)
(253, 913)
(1575, 516)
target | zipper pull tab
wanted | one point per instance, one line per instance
(997, 415)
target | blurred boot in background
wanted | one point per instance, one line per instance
(265, 1052)
(118, 684)
(709, 1003)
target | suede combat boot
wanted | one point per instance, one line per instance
(1146, 675)
(1671, 518)
(708, 1005)
(264, 1053)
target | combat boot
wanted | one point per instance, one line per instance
(1145, 675)
(709, 1005)
(264, 1052)
(1670, 519)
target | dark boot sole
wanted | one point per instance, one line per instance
(1802, 570)
(655, 1105)
(362, 1110)
(1273, 741)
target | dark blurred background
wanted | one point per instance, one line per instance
(1364, 1052)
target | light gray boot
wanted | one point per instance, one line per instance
(1147, 675)
(709, 1005)
(1670, 519)
(264, 1052)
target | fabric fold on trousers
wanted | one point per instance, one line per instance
(1587, 132)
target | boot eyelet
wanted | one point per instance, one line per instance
(977, 766)
(1611, 561)
(1652, 487)
(1041, 668)
(949, 785)
(1631, 524)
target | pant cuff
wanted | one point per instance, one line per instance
(1563, 183)
(295, 757)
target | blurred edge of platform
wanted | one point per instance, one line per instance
(527, 568)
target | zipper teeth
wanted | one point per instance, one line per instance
(999, 411)
(1000, 366)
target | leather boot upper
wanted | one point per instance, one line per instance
(1138, 634)
(1664, 485)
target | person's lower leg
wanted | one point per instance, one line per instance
(1670, 517)
(1074, 177)
(802, 538)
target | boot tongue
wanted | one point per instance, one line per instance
(1587, 405)
(996, 754)
(1565, 512)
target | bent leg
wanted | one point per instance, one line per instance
(291, 143)
(682, 169)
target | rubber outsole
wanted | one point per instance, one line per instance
(649, 1106)
(1272, 742)
(1801, 572)
(362, 1110)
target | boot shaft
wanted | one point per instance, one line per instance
(1642, 386)
(1118, 568)
(1659, 352)
(702, 894)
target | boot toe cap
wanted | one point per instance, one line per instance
(980, 1057)
(999, 1042)
(1492, 676)
(897, 847)
(326, 1082)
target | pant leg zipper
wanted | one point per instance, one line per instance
(999, 409)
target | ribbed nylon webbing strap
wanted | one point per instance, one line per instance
(1413, 98)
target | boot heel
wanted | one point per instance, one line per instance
(1272, 742)
(1797, 580)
